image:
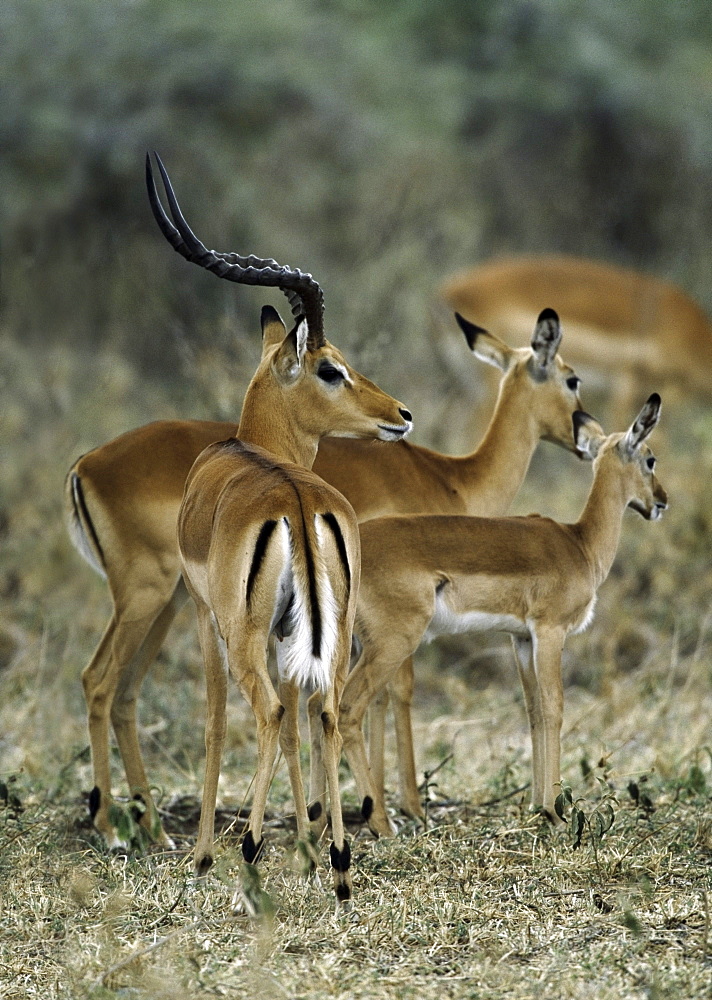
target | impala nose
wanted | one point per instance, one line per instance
(406, 414)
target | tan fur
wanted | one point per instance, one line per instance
(636, 328)
(133, 485)
(529, 576)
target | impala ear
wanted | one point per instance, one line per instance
(288, 360)
(485, 345)
(273, 329)
(643, 424)
(546, 338)
(588, 434)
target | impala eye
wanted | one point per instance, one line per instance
(573, 383)
(650, 462)
(327, 373)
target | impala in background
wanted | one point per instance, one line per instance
(633, 328)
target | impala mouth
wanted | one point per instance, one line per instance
(653, 513)
(389, 432)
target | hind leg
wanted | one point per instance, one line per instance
(290, 742)
(248, 665)
(216, 671)
(401, 689)
(123, 713)
(102, 677)
(340, 851)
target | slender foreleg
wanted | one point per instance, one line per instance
(524, 655)
(548, 645)
(401, 690)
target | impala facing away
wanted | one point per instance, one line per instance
(425, 575)
(634, 327)
(122, 501)
(265, 546)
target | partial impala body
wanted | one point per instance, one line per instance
(633, 327)
(531, 577)
(122, 502)
(264, 546)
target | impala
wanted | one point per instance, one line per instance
(537, 579)
(264, 546)
(634, 327)
(537, 398)
(122, 502)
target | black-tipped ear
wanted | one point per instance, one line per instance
(546, 337)
(485, 346)
(471, 330)
(644, 423)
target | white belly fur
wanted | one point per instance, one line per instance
(445, 621)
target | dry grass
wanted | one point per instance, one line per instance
(487, 901)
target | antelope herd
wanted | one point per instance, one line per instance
(289, 524)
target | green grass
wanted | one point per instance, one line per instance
(487, 900)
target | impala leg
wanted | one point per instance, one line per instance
(99, 683)
(120, 643)
(524, 655)
(547, 663)
(317, 775)
(290, 742)
(123, 712)
(401, 688)
(361, 686)
(377, 740)
(216, 671)
(340, 848)
(248, 665)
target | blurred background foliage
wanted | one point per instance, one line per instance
(380, 146)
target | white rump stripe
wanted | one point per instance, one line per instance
(78, 535)
(295, 661)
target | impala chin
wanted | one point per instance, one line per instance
(387, 432)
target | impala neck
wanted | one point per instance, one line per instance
(599, 527)
(269, 421)
(497, 468)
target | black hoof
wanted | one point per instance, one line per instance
(250, 851)
(94, 801)
(343, 892)
(341, 859)
(204, 865)
(314, 811)
(367, 807)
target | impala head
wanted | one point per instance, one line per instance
(329, 397)
(547, 386)
(628, 454)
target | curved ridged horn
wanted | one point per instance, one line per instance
(305, 296)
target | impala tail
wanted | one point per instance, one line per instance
(80, 525)
(309, 599)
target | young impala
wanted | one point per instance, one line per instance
(265, 546)
(122, 502)
(425, 575)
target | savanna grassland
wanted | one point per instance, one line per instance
(383, 147)
(486, 900)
